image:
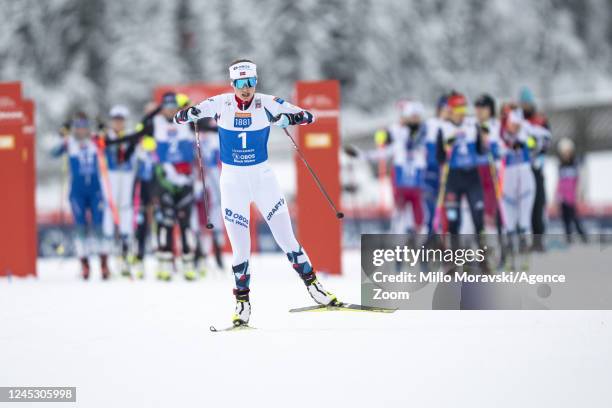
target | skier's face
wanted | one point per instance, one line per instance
(118, 124)
(565, 154)
(457, 114)
(412, 120)
(245, 93)
(444, 112)
(81, 133)
(483, 113)
(513, 127)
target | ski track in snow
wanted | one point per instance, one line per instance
(147, 344)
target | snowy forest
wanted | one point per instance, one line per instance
(91, 54)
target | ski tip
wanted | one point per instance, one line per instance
(238, 327)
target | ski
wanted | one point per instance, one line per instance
(231, 328)
(342, 307)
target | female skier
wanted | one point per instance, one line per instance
(86, 192)
(244, 119)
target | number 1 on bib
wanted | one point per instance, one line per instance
(243, 136)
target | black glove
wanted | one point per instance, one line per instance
(350, 151)
(191, 114)
(293, 118)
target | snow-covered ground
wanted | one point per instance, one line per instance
(147, 344)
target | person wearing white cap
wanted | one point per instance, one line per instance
(243, 119)
(118, 212)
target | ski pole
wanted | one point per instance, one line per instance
(339, 214)
(209, 225)
(440, 199)
(496, 187)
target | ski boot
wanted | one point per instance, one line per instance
(302, 266)
(189, 271)
(164, 266)
(138, 268)
(85, 268)
(316, 291)
(124, 267)
(202, 270)
(242, 313)
(104, 267)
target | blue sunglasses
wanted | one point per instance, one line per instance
(80, 123)
(245, 82)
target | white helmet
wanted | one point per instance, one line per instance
(119, 111)
(412, 108)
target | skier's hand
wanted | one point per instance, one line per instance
(100, 141)
(282, 120)
(484, 134)
(64, 131)
(192, 114)
(351, 151)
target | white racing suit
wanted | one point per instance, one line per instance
(246, 178)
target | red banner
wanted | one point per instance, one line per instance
(17, 221)
(319, 231)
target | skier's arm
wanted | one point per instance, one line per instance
(480, 143)
(142, 129)
(205, 109)
(64, 132)
(57, 151)
(440, 148)
(283, 114)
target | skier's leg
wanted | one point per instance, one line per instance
(578, 223)
(235, 202)
(430, 195)
(399, 221)
(452, 202)
(475, 200)
(417, 209)
(184, 206)
(77, 205)
(142, 220)
(526, 199)
(510, 202)
(165, 238)
(566, 216)
(108, 220)
(538, 226)
(217, 236)
(273, 207)
(527, 195)
(126, 212)
(96, 207)
(201, 248)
